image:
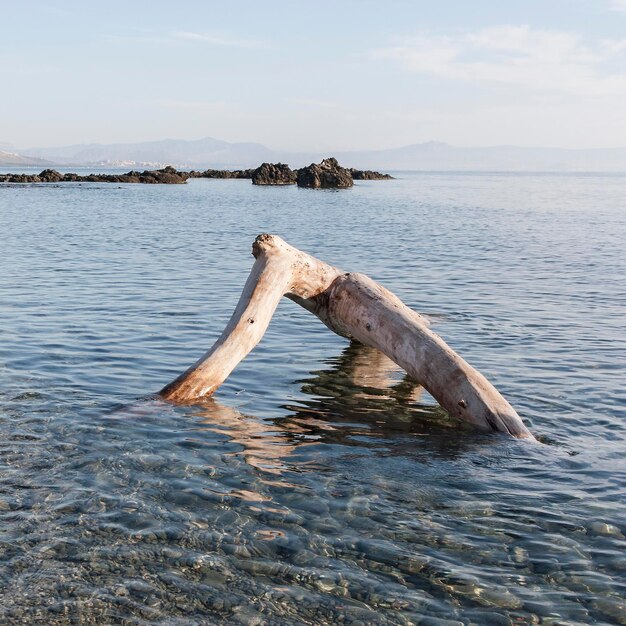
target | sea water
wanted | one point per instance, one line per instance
(318, 485)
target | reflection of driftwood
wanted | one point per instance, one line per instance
(263, 445)
(371, 368)
(350, 400)
(361, 391)
(361, 371)
(354, 306)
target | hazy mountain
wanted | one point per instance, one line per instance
(198, 153)
(441, 156)
(433, 156)
(12, 159)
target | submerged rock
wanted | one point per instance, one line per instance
(273, 174)
(327, 175)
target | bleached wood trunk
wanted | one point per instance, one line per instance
(354, 306)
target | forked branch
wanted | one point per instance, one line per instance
(353, 306)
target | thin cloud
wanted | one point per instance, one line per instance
(192, 105)
(218, 39)
(536, 60)
(138, 39)
(618, 5)
(180, 37)
(316, 104)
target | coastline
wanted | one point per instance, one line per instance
(326, 174)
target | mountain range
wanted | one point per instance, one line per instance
(214, 153)
(13, 159)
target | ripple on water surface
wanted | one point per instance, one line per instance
(320, 485)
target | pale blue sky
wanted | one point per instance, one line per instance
(315, 75)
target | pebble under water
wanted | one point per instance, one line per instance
(319, 485)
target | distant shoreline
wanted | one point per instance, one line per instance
(397, 172)
(327, 174)
(211, 152)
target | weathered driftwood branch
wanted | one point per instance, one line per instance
(353, 306)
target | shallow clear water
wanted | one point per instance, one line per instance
(318, 486)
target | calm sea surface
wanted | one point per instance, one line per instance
(318, 486)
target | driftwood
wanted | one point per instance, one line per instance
(356, 307)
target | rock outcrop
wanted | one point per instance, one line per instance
(166, 176)
(50, 176)
(326, 175)
(273, 174)
(368, 175)
(221, 174)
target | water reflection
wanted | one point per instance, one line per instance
(264, 448)
(364, 387)
(362, 399)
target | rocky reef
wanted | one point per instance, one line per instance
(221, 174)
(273, 174)
(368, 175)
(166, 176)
(325, 175)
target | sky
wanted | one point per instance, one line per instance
(324, 75)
